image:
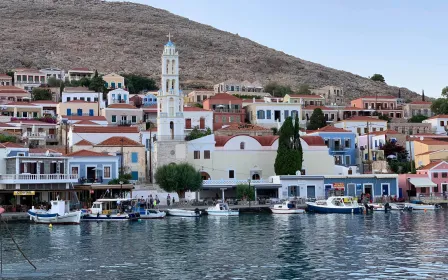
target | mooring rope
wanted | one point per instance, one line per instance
(17, 245)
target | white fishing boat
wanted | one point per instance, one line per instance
(422, 206)
(111, 209)
(386, 206)
(336, 204)
(59, 213)
(184, 213)
(221, 209)
(151, 214)
(287, 207)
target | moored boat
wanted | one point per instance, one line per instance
(59, 213)
(184, 213)
(386, 206)
(111, 209)
(336, 204)
(422, 206)
(221, 209)
(151, 214)
(287, 207)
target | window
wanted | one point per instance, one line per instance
(34, 114)
(134, 157)
(286, 114)
(197, 154)
(68, 99)
(25, 114)
(436, 189)
(75, 98)
(75, 170)
(88, 99)
(442, 123)
(242, 146)
(435, 175)
(95, 99)
(365, 130)
(119, 85)
(90, 112)
(381, 129)
(106, 172)
(231, 174)
(202, 123)
(347, 160)
(268, 114)
(358, 130)
(327, 143)
(114, 118)
(188, 123)
(347, 143)
(133, 119)
(260, 114)
(444, 174)
(373, 129)
(206, 154)
(69, 112)
(83, 99)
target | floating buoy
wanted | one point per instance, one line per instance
(139, 220)
(50, 226)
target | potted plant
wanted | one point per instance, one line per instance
(13, 203)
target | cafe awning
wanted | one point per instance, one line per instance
(422, 182)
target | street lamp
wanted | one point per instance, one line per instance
(248, 181)
(121, 189)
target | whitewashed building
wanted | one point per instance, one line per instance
(438, 124)
(362, 125)
(271, 114)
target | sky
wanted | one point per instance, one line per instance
(405, 41)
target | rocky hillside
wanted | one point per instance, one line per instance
(127, 37)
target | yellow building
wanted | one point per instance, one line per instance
(429, 150)
(113, 81)
(77, 108)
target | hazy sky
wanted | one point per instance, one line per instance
(406, 41)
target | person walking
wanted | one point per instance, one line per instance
(148, 204)
(155, 203)
(151, 201)
(157, 200)
(168, 200)
(173, 200)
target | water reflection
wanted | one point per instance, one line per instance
(379, 245)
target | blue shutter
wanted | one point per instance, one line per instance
(286, 114)
(134, 157)
(90, 112)
(106, 85)
(125, 97)
(112, 85)
(268, 114)
(119, 85)
(134, 175)
(79, 112)
(69, 112)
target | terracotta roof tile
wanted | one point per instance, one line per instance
(431, 165)
(313, 140)
(432, 142)
(121, 106)
(105, 129)
(86, 153)
(310, 96)
(80, 101)
(377, 97)
(27, 121)
(193, 109)
(312, 107)
(329, 128)
(362, 118)
(432, 152)
(224, 96)
(7, 125)
(42, 151)
(12, 90)
(4, 76)
(10, 145)
(20, 104)
(252, 101)
(84, 142)
(44, 102)
(86, 122)
(221, 141)
(119, 141)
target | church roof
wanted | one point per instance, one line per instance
(169, 44)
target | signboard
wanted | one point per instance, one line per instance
(24, 193)
(358, 188)
(338, 186)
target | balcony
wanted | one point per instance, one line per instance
(118, 101)
(34, 135)
(337, 148)
(90, 181)
(235, 111)
(26, 178)
(124, 123)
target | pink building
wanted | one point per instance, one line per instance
(430, 180)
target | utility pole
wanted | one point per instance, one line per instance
(150, 153)
(368, 147)
(122, 155)
(66, 137)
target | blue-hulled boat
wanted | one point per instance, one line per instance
(59, 213)
(336, 204)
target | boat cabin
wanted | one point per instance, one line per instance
(59, 207)
(286, 205)
(110, 206)
(343, 201)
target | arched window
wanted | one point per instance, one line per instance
(167, 85)
(255, 176)
(172, 83)
(167, 66)
(294, 113)
(260, 114)
(242, 145)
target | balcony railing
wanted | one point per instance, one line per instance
(337, 148)
(98, 180)
(35, 135)
(38, 177)
(117, 101)
(233, 182)
(124, 123)
(236, 111)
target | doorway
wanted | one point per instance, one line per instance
(91, 174)
(311, 191)
(277, 116)
(444, 188)
(385, 189)
(172, 130)
(368, 189)
(351, 189)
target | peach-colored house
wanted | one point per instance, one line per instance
(387, 105)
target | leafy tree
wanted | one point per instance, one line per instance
(445, 92)
(440, 106)
(195, 133)
(278, 90)
(41, 94)
(304, 89)
(7, 138)
(400, 167)
(123, 178)
(378, 78)
(136, 83)
(392, 148)
(244, 191)
(384, 117)
(317, 120)
(11, 74)
(199, 105)
(83, 82)
(297, 142)
(417, 119)
(53, 82)
(97, 83)
(178, 178)
(288, 159)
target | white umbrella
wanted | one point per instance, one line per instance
(391, 156)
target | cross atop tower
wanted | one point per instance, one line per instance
(169, 36)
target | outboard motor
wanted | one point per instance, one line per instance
(387, 207)
(366, 207)
(197, 211)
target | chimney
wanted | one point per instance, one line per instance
(423, 95)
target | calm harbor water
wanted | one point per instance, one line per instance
(378, 245)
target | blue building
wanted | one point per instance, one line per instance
(376, 185)
(341, 144)
(94, 168)
(149, 99)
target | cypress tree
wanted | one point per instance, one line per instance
(289, 155)
(317, 120)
